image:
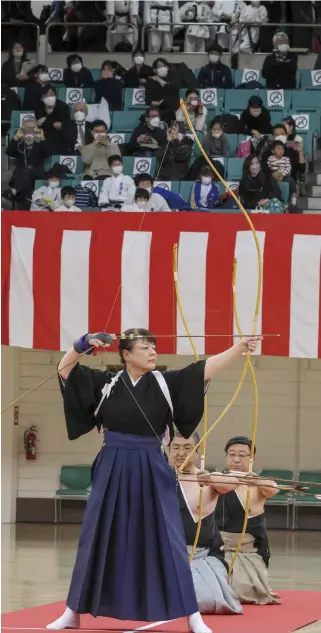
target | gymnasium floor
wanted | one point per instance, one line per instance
(37, 562)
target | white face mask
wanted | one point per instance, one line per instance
(79, 116)
(149, 189)
(206, 180)
(214, 59)
(283, 48)
(117, 170)
(50, 101)
(141, 203)
(194, 102)
(76, 67)
(28, 137)
(281, 138)
(139, 60)
(100, 136)
(162, 72)
(155, 121)
(217, 134)
(44, 77)
(54, 184)
(17, 54)
(69, 203)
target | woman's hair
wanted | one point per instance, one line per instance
(11, 47)
(247, 164)
(290, 121)
(131, 338)
(206, 171)
(191, 91)
(160, 59)
(48, 88)
(70, 59)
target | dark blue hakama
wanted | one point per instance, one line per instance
(132, 560)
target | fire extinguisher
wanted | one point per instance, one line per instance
(30, 439)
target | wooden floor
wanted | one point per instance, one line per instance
(37, 562)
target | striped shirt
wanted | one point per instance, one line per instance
(85, 197)
(279, 164)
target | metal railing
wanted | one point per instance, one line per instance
(177, 26)
(17, 25)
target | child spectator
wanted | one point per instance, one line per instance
(47, 197)
(280, 167)
(140, 201)
(204, 194)
(117, 190)
(68, 197)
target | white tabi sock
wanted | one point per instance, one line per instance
(68, 620)
(196, 624)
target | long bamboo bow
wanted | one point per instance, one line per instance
(203, 449)
(254, 327)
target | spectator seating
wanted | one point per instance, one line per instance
(75, 484)
(301, 500)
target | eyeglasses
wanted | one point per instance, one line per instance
(239, 455)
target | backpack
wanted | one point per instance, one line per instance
(230, 123)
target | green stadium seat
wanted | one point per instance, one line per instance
(237, 100)
(285, 191)
(75, 484)
(284, 497)
(74, 163)
(135, 98)
(96, 73)
(20, 91)
(134, 165)
(276, 99)
(306, 101)
(314, 488)
(277, 116)
(18, 116)
(185, 189)
(233, 140)
(311, 79)
(126, 121)
(234, 168)
(74, 95)
(248, 74)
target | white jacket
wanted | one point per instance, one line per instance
(117, 189)
(45, 192)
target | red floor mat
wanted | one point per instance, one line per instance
(298, 609)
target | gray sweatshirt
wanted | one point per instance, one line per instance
(216, 146)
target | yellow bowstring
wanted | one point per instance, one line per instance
(180, 307)
(254, 326)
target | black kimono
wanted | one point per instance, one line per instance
(132, 562)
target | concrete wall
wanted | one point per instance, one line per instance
(289, 431)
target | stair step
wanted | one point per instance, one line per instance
(316, 191)
(319, 179)
(314, 203)
(311, 212)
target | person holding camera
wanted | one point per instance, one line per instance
(148, 135)
(196, 110)
(95, 155)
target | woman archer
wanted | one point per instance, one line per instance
(132, 561)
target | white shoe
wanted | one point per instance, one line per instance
(68, 620)
(197, 625)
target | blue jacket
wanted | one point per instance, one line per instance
(212, 196)
(174, 200)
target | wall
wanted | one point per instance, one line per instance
(289, 431)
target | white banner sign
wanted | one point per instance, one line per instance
(73, 95)
(275, 98)
(302, 122)
(142, 165)
(138, 97)
(250, 74)
(316, 78)
(56, 74)
(118, 139)
(209, 96)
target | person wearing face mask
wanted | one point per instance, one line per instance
(256, 119)
(295, 141)
(47, 197)
(174, 155)
(68, 197)
(78, 129)
(279, 69)
(162, 18)
(138, 74)
(215, 74)
(162, 89)
(117, 190)
(196, 110)
(13, 71)
(38, 79)
(204, 194)
(161, 199)
(96, 154)
(29, 149)
(295, 154)
(148, 136)
(216, 142)
(196, 35)
(122, 33)
(140, 203)
(244, 40)
(109, 87)
(53, 116)
(76, 74)
(256, 187)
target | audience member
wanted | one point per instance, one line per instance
(296, 156)
(196, 110)
(156, 200)
(109, 87)
(38, 79)
(137, 75)
(162, 89)
(256, 119)
(76, 74)
(279, 69)
(174, 155)
(197, 35)
(78, 129)
(148, 136)
(122, 34)
(140, 203)
(9, 102)
(118, 189)
(244, 40)
(85, 197)
(47, 197)
(296, 142)
(160, 18)
(256, 187)
(53, 116)
(204, 194)
(13, 71)
(96, 154)
(280, 168)
(68, 199)
(30, 149)
(161, 199)
(215, 74)
(216, 142)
